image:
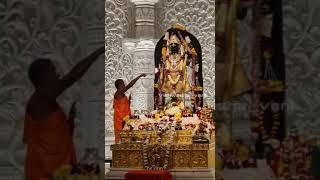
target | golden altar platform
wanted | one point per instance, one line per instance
(187, 160)
(182, 156)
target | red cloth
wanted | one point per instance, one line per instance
(148, 175)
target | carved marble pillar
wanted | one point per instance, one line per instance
(142, 98)
(145, 17)
(119, 23)
(92, 100)
(142, 94)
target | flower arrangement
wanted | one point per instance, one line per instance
(173, 110)
(153, 156)
(62, 172)
(78, 172)
(257, 119)
(235, 157)
(292, 159)
(156, 155)
(160, 122)
(86, 169)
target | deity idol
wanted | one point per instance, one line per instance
(173, 76)
(178, 61)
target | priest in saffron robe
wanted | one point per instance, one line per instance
(47, 130)
(121, 104)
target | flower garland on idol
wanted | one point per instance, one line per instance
(145, 152)
(167, 155)
(187, 51)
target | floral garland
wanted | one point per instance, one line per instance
(235, 157)
(77, 171)
(161, 124)
(257, 124)
(292, 159)
(186, 50)
(167, 155)
(160, 131)
(262, 86)
(145, 152)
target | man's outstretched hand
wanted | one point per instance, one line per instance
(142, 75)
(75, 74)
(133, 82)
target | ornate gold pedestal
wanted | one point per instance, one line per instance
(187, 156)
(183, 154)
(181, 137)
(188, 161)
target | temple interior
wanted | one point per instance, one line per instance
(223, 89)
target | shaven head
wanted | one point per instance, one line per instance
(120, 84)
(42, 71)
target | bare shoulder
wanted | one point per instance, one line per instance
(118, 95)
(40, 108)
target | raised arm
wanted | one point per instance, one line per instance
(76, 72)
(133, 82)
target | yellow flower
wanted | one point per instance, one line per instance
(243, 153)
(193, 51)
(157, 116)
(164, 51)
(126, 118)
(178, 115)
(62, 171)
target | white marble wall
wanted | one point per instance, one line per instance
(119, 23)
(302, 53)
(142, 93)
(142, 96)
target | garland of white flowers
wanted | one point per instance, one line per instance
(145, 153)
(159, 131)
(167, 156)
